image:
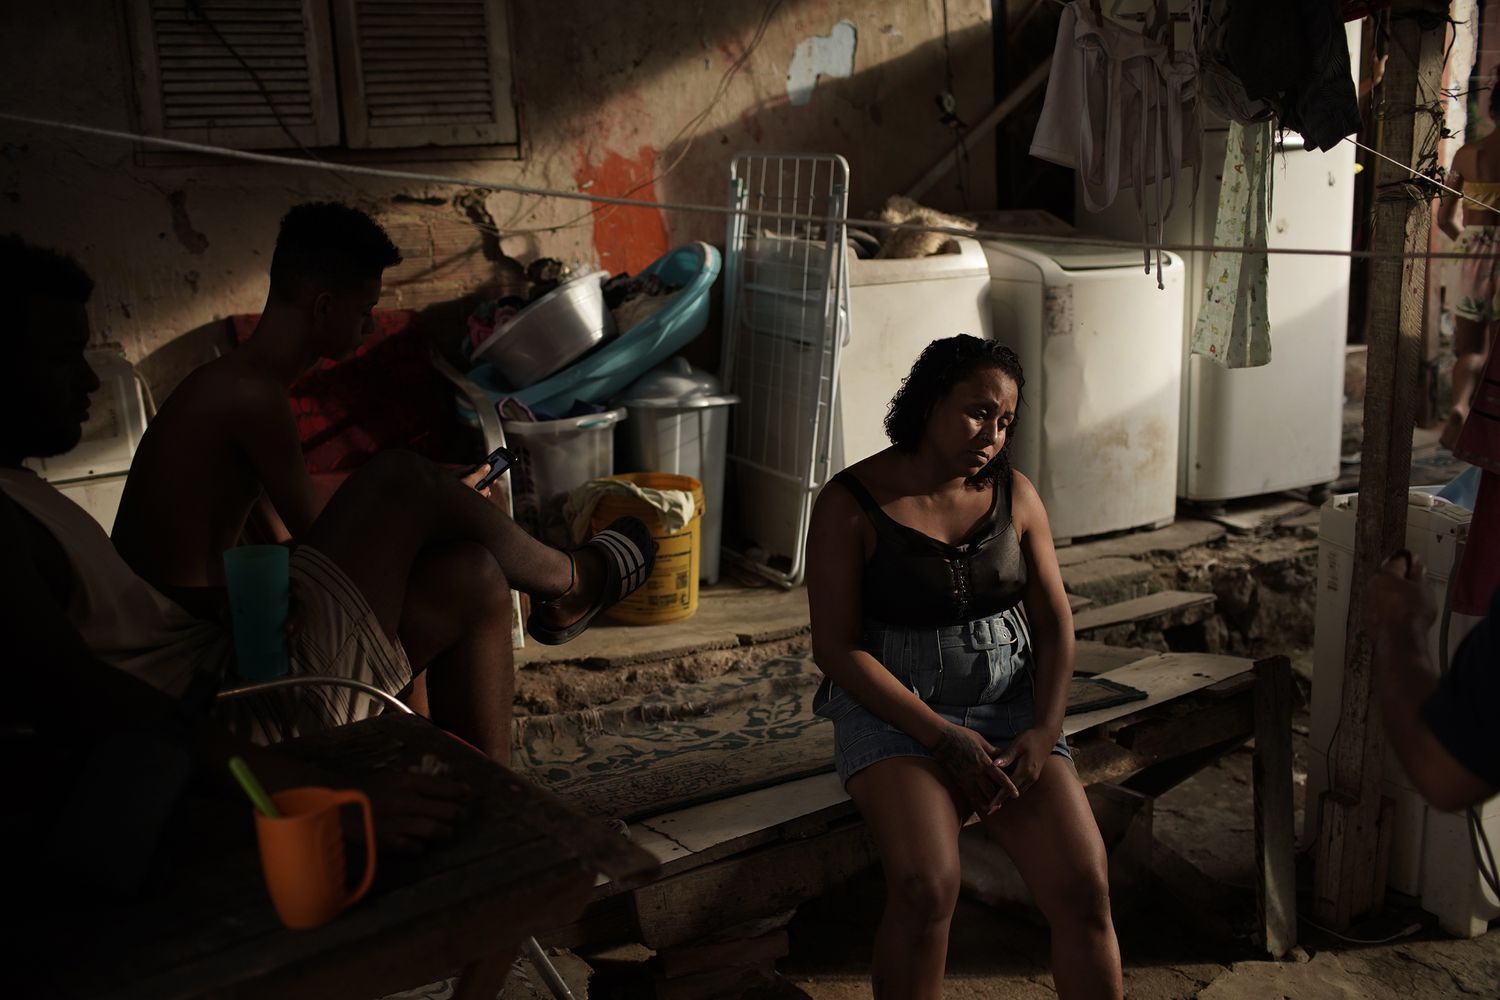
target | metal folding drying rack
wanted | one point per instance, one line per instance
(785, 318)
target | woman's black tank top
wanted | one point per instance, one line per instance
(914, 580)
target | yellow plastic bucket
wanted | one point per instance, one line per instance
(670, 593)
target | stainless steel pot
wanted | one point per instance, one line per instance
(550, 333)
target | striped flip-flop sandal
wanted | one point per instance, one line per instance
(629, 554)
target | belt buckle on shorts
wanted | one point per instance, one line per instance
(982, 634)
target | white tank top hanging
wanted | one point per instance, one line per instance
(1122, 110)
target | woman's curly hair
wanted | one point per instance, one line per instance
(942, 365)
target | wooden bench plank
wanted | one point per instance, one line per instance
(699, 828)
(1159, 604)
(1163, 678)
(1094, 658)
(664, 849)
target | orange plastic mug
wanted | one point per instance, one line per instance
(302, 855)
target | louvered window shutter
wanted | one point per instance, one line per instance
(193, 84)
(424, 72)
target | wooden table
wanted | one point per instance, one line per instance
(522, 862)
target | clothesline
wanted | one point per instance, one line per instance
(272, 159)
(1414, 173)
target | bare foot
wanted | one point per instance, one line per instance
(1452, 427)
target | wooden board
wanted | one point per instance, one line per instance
(701, 827)
(1275, 833)
(1164, 677)
(664, 849)
(1095, 658)
(1158, 605)
(1350, 878)
(1261, 514)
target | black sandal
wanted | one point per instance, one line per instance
(629, 554)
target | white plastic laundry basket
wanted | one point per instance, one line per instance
(553, 457)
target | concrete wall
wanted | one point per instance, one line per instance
(604, 91)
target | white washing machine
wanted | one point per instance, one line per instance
(1429, 853)
(1101, 347)
(896, 308)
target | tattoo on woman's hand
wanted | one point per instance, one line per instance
(956, 752)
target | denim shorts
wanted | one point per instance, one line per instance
(980, 675)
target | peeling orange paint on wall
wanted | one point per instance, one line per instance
(626, 239)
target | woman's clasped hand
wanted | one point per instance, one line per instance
(974, 765)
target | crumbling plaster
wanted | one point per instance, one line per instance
(604, 92)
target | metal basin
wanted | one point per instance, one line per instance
(550, 333)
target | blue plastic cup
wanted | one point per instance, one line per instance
(260, 593)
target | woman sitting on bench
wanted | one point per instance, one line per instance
(941, 626)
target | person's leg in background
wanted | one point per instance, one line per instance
(1473, 319)
(1471, 338)
(435, 561)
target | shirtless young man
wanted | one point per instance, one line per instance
(227, 434)
(1476, 173)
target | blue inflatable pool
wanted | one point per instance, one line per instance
(601, 374)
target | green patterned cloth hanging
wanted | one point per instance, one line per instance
(1233, 327)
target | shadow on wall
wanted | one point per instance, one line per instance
(440, 324)
(596, 99)
(883, 119)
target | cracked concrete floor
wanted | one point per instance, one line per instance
(1168, 953)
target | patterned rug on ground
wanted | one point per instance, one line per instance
(748, 729)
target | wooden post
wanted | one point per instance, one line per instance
(1275, 831)
(1350, 880)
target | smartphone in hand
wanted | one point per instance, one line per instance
(499, 460)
